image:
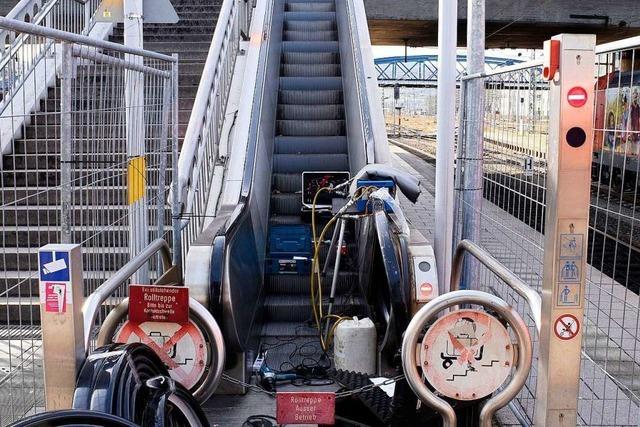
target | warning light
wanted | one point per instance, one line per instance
(577, 96)
(426, 288)
(576, 137)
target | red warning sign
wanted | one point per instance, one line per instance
(297, 408)
(158, 304)
(182, 348)
(577, 96)
(566, 327)
(55, 297)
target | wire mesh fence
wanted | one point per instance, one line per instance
(70, 175)
(512, 222)
(513, 168)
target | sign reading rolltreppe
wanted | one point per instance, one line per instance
(158, 304)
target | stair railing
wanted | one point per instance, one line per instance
(21, 53)
(202, 156)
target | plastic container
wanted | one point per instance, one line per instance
(355, 346)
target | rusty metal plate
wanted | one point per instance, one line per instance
(466, 354)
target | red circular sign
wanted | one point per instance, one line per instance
(577, 96)
(566, 327)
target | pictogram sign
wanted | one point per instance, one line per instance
(182, 348)
(466, 354)
(566, 327)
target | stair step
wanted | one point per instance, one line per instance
(310, 144)
(287, 182)
(294, 284)
(309, 36)
(310, 97)
(311, 46)
(328, 25)
(310, 127)
(294, 329)
(311, 112)
(298, 163)
(286, 203)
(309, 16)
(310, 6)
(309, 70)
(311, 58)
(297, 308)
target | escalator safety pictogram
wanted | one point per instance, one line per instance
(181, 347)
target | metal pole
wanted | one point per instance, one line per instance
(65, 143)
(177, 197)
(336, 270)
(473, 133)
(137, 173)
(443, 239)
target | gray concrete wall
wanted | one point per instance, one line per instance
(516, 23)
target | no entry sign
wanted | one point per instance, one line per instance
(158, 304)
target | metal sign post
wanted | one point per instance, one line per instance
(567, 222)
(61, 299)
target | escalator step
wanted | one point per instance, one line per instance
(310, 97)
(287, 182)
(294, 284)
(311, 112)
(292, 163)
(310, 127)
(285, 219)
(310, 145)
(297, 308)
(296, 329)
(309, 16)
(309, 70)
(312, 58)
(286, 203)
(310, 25)
(310, 36)
(310, 6)
(317, 46)
(311, 83)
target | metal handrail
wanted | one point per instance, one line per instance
(63, 36)
(211, 99)
(103, 292)
(516, 67)
(509, 277)
(427, 314)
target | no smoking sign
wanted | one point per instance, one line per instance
(566, 327)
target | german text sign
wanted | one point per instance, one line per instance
(306, 408)
(158, 304)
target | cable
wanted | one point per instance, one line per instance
(260, 421)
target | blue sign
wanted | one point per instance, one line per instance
(54, 266)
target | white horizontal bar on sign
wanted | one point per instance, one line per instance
(504, 70)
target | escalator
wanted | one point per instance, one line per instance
(310, 137)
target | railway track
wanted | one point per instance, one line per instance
(614, 233)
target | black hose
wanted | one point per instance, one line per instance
(73, 417)
(115, 379)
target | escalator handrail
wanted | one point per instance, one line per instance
(105, 290)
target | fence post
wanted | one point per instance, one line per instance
(474, 138)
(135, 130)
(66, 166)
(61, 299)
(566, 230)
(176, 203)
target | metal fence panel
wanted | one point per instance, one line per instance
(66, 176)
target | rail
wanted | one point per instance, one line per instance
(103, 292)
(509, 277)
(201, 151)
(26, 50)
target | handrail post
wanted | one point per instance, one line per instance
(176, 203)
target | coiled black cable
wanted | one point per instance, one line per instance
(115, 380)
